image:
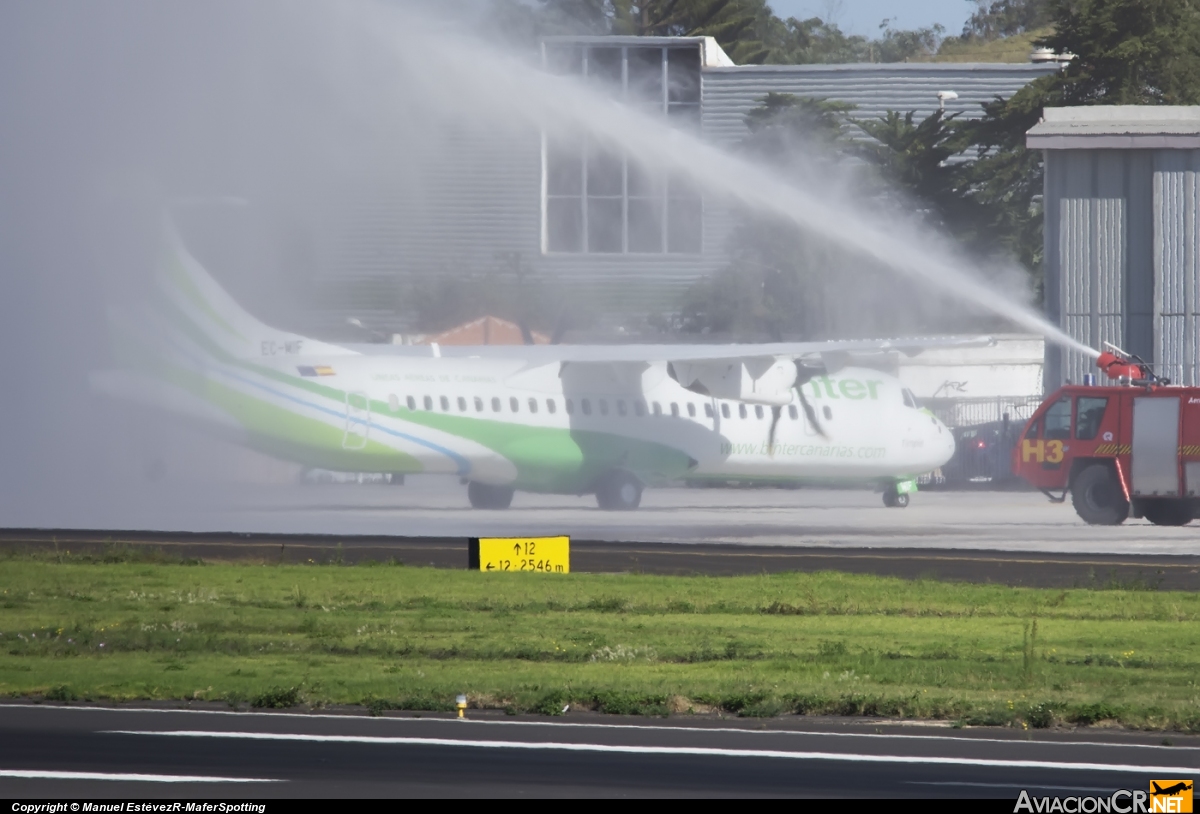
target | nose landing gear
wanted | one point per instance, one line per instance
(895, 495)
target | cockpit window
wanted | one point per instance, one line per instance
(909, 399)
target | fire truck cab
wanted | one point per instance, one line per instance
(1131, 449)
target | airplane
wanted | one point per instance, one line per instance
(602, 420)
(1171, 790)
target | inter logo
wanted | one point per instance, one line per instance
(1171, 796)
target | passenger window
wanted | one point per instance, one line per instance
(1058, 420)
(550, 406)
(495, 404)
(411, 402)
(532, 405)
(793, 414)
(674, 409)
(478, 404)
(514, 405)
(603, 406)
(429, 402)
(1089, 412)
(620, 406)
(741, 411)
(445, 404)
(828, 413)
(462, 404)
(393, 403)
(708, 411)
(657, 408)
(570, 407)
(587, 407)
(691, 410)
(639, 408)
(725, 410)
(758, 413)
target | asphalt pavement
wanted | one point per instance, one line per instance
(102, 753)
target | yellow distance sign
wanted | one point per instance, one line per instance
(548, 555)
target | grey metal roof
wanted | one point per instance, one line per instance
(1109, 127)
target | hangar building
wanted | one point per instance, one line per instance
(1122, 234)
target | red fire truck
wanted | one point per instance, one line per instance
(1128, 449)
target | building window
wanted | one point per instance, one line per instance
(601, 201)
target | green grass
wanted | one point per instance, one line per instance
(391, 637)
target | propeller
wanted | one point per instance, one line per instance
(776, 412)
(804, 374)
(811, 413)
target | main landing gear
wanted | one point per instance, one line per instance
(486, 496)
(619, 491)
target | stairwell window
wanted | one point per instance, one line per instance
(603, 201)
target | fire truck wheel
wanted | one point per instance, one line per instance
(1168, 512)
(1097, 497)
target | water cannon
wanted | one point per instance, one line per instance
(1127, 367)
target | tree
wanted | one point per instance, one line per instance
(1006, 18)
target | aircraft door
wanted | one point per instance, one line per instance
(358, 420)
(1155, 466)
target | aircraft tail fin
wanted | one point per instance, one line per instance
(209, 310)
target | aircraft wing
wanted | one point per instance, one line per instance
(547, 354)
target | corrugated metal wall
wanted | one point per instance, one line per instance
(1176, 236)
(1122, 257)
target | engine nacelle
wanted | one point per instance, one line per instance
(757, 380)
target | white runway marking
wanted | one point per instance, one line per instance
(35, 774)
(672, 750)
(637, 727)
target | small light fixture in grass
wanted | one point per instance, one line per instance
(461, 703)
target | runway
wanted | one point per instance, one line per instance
(95, 752)
(1017, 538)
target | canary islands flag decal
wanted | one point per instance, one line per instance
(316, 370)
